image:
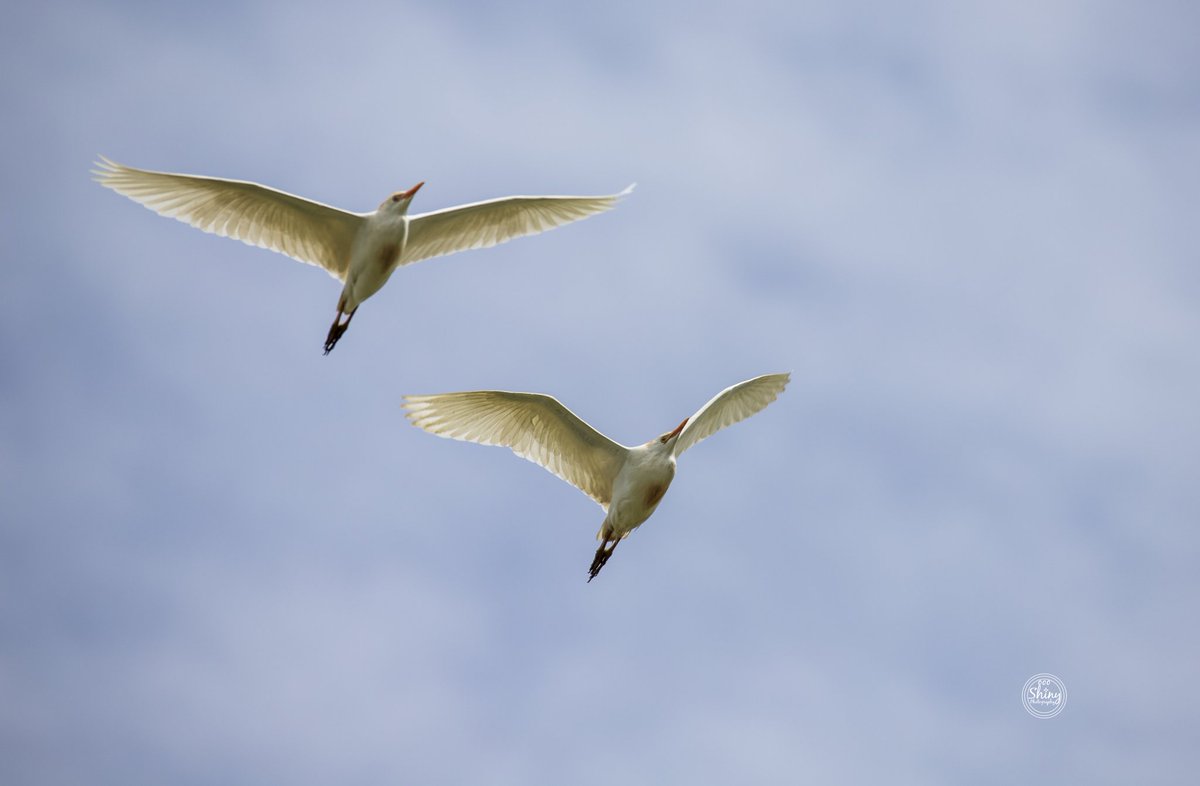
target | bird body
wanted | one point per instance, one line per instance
(627, 482)
(362, 250)
(377, 251)
(640, 484)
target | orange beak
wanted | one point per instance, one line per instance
(410, 192)
(678, 429)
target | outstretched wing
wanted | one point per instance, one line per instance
(260, 216)
(534, 426)
(485, 224)
(732, 404)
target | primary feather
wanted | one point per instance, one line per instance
(536, 427)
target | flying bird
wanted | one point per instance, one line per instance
(628, 482)
(359, 249)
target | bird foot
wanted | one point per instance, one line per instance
(335, 333)
(336, 330)
(602, 554)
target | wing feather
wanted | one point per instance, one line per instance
(732, 404)
(534, 426)
(257, 215)
(485, 224)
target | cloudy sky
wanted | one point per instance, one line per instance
(968, 230)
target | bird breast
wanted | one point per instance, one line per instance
(387, 256)
(376, 254)
(654, 494)
(638, 490)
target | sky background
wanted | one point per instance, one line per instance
(967, 229)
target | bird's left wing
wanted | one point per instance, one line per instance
(534, 426)
(255, 214)
(732, 404)
(485, 224)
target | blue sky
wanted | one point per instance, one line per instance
(968, 230)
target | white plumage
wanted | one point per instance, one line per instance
(359, 249)
(627, 482)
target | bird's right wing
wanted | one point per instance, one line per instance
(535, 426)
(734, 403)
(485, 224)
(260, 216)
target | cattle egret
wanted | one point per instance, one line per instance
(359, 249)
(628, 482)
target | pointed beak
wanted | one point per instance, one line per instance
(412, 191)
(678, 429)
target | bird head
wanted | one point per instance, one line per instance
(399, 201)
(668, 440)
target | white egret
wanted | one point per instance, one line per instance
(359, 249)
(628, 482)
